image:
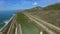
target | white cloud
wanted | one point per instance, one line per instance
(35, 3)
(26, 2)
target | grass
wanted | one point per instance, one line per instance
(26, 24)
(53, 7)
(47, 26)
(51, 16)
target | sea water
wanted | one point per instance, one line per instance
(5, 16)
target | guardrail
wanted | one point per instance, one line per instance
(6, 26)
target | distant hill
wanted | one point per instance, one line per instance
(53, 7)
(38, 8)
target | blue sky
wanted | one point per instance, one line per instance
(24, 4)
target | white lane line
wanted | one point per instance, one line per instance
(20, 29)
(16, 30)
(41, 32)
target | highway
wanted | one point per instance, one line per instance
(12, 27)
(18, 29)
(49, 28)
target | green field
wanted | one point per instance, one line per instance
(26, 24)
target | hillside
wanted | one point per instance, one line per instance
(52, 15)
(32, 10)
(53, 7)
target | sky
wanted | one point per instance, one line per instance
(24, 4)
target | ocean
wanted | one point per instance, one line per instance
(5, 16)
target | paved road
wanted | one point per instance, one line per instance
(18, 29)
(7, 26)
(12, 27)
(43, 24)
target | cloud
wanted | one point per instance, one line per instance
(35, 3)
(25, 2)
